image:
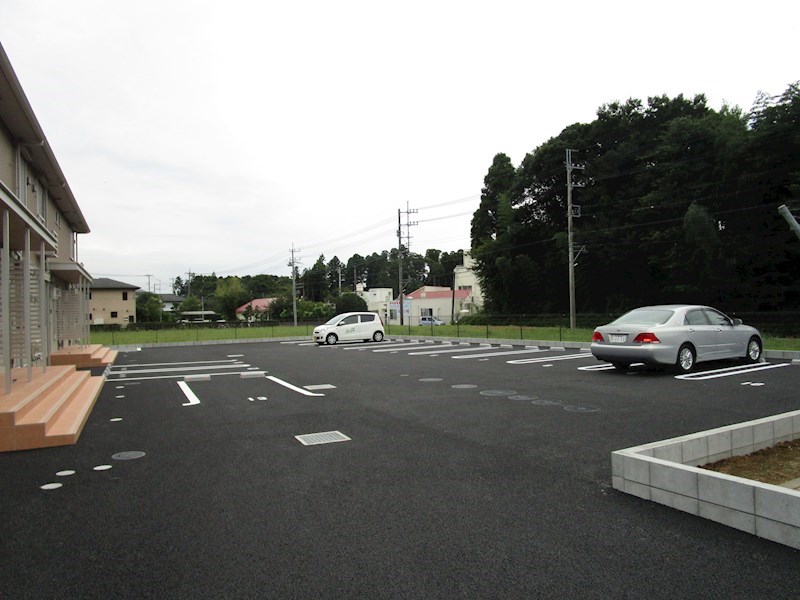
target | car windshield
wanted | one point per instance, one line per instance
(645, 316)
(334, 320)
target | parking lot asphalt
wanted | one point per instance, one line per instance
(469, 472)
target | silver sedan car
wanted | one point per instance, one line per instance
(676, 334)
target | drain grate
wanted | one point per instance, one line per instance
(325, 437)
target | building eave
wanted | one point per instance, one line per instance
(18, 116)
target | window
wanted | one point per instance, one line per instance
(696, 317)
(367, 318)
(350, 320)
(716, 318)
(426, 312)
(113, 314)
(124, 295)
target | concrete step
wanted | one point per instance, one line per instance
(56, 415)
(26, 394)
(84, 357)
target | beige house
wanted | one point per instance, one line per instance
(112, 302)
(44, 290)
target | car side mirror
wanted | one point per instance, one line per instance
(737, 322)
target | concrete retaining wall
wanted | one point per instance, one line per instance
(666, 472)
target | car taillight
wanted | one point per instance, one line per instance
(597, 337)
(646, 338)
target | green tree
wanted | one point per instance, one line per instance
(229, 295)
(334, 271)
(190, 304)
(315, 281)
(349, 302)
(498, 181)
(148, 307)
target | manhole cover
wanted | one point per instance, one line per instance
(464, 386)
(430, 379)
(521, 397)
(498, 392)
(584, 409)
(541, 402)
(129, 455)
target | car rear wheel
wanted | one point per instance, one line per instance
(377, 336)
(753, 349)
(686, 358)
(331, 339)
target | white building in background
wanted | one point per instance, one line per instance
(377, 299)
(467, 280)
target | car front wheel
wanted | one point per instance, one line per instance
(686, 358)
(331, 339)
(753, 349)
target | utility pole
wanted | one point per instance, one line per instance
(409, 223)
(571, 250)
(400, 264)
(294, 286)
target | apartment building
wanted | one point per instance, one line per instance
(43, 287)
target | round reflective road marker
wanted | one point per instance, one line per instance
(582, 409)
(128, 455)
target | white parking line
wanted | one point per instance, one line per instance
(181, 369)
(190, 395)
(131, 381)
(502, 353)
(727, 372)
(294, 388)
(605, 367)
(544, 359)
(448, 349)
(401, 346)
(390, 345)
(115, 368)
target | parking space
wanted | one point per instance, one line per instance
(458, 470)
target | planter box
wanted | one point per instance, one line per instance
(666, 472)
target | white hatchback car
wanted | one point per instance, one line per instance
(364, 326)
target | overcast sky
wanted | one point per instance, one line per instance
(213, 136)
